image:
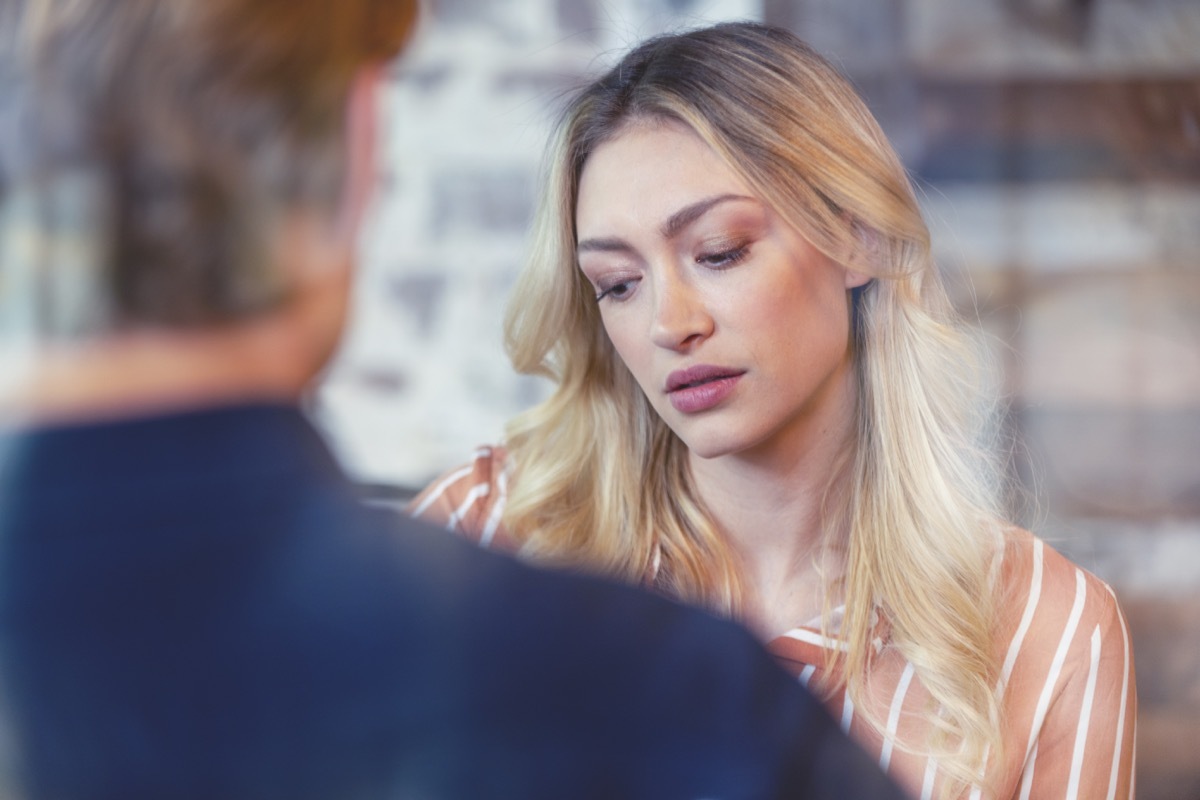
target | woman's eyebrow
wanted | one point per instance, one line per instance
(609, 245)
(689, 214)
(670, 229)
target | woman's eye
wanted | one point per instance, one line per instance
(615, 291)
(723, 258)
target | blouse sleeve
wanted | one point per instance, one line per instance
(469, 499)
(1084, 745)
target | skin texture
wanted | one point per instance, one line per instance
(691, 268)
(731, 285)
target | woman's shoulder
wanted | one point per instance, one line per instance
(1053, 612)
(1067, 674)
(1036, 572)
(470, 498)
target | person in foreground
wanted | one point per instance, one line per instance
(194, 604)
(765, 404)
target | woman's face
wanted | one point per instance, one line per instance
(736, 328)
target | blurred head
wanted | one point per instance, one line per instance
(153, 150)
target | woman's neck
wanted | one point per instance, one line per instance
(770, 502)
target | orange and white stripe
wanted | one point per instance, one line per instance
(1066, 682)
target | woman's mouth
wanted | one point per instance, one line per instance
(701, 387)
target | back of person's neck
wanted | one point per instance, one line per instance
(157, 371)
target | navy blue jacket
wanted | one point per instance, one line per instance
(197, 605)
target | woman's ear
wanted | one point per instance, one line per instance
(863, 250)
(856, 279)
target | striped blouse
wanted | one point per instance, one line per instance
(1066, 685)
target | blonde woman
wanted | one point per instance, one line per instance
(764, 404)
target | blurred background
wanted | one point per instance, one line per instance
(1056, 148)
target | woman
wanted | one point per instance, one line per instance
(764, 404)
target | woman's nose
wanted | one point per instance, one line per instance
(681, 317)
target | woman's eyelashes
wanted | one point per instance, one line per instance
(617, 289)
(723, 258)
(621, 286)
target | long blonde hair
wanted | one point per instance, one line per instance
(600, 481)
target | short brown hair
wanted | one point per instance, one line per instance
(147, 145)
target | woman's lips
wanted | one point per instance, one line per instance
(701, 387)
